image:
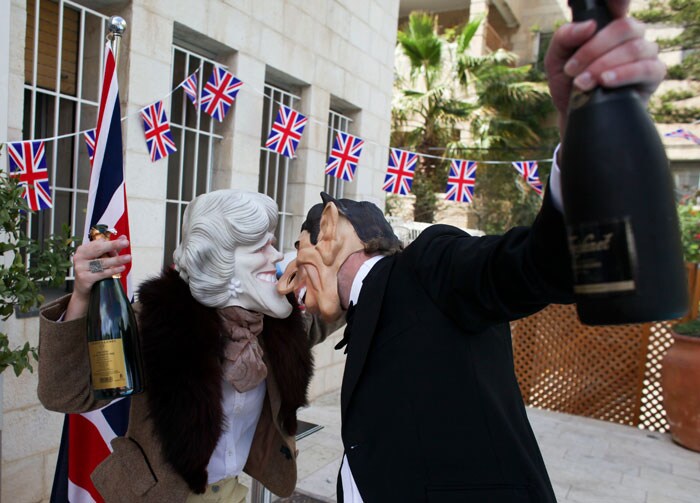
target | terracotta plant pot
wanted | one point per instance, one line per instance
(680, 379)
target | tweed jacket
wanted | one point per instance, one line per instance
(175, 423)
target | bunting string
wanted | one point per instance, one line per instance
(218, 95)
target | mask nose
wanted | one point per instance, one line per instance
(288, 281)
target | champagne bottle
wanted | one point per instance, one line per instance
(619, 206)
(113, 339)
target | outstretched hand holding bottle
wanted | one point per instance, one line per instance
(616, 185)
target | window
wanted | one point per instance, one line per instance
(274, 168)
(197, 137)
(64, 48)
(543, 41)
(336, 122)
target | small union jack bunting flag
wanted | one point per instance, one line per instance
(28, 164)
(90, 142)
(528, 170)
(344, 156)
(157, 131)
(286, 131)
(682, 133)
(219, 93)
(460, 183)
(189, 85)
(399, 172)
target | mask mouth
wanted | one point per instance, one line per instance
(267, 277)
(301, 297)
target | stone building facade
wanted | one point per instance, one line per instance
(330, 59)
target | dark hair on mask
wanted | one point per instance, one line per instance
(366, 218)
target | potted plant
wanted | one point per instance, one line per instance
(680, 380)
(680, 371)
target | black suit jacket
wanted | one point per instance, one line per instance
(431, 408)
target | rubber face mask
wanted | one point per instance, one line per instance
(254, 286)
(315, 270)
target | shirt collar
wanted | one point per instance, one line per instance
(362, 273)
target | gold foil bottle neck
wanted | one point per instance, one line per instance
(101, 231)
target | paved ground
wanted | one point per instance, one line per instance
(589, 461)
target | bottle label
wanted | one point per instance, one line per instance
(107, 362)
(603, 258)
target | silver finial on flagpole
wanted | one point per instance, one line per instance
(117, 25)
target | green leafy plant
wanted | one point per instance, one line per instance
(689, 218)
(688, 328)
(27, 266)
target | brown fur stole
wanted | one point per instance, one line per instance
(182, 355)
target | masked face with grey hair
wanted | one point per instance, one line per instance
(227, 253)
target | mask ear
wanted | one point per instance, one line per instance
(329, 244)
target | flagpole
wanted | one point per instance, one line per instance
(117, 26)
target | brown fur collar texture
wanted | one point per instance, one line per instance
(182, 354)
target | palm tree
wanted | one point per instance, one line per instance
(427, 113)
(512, 121)
(506, 112)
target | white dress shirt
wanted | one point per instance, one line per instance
(350, 492)
(241, 414)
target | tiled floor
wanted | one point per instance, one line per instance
(589, 461)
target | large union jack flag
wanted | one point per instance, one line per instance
(189, 85)
(400, 171)
(157, 131)
(460, 183)
(86, 437)
(344, 156)
(683, 133)
(28, 164)
(90, 143)
(219, 93)
(528, 170)
(286, 132)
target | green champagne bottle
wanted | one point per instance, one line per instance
(113, 338)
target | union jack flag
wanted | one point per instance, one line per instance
(157, 130)
(28, 164)
(344, 156)
(218, 93)
(189, 85)
(286, 131)
(400, 171)
(682, 133)
(528, 169)
(86, 438)
(90, 142)
(460, 183)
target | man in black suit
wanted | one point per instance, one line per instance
(431, 409)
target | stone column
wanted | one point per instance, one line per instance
(145, 76)
(238, 165)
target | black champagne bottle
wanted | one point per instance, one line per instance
(619, 206)
(113, 339)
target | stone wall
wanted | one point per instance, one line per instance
(331, 49)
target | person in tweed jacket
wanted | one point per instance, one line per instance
(227, 361)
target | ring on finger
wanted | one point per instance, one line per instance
(95, 265)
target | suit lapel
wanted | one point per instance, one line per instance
(364, 324)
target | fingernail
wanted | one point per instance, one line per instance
(584, 81)
(579, 28)
(609, 77)
(571, 67)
